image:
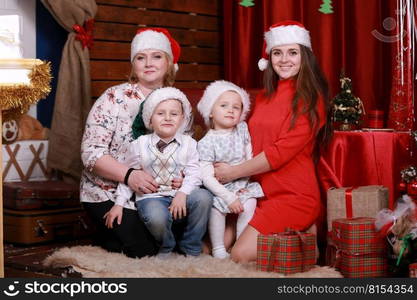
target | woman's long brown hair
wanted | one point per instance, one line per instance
(311, 84)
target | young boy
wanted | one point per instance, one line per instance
(165, 154)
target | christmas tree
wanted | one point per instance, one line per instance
(326, 7)
(247, 3)
(347, 108)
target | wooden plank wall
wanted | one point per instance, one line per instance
(195, 24)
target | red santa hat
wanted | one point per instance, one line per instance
(155, 38)
(283, 33)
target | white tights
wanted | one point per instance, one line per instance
(217, 226)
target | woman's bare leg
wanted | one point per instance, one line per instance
(245, 247)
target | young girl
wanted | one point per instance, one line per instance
(165, 154)
(224, 107)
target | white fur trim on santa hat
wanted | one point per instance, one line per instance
(213, 92)
(150, 39)
(263, 64)
(284, 35)
(162, 94)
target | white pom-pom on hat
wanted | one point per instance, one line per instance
(213, 91)
(263, 64)
(162, 94)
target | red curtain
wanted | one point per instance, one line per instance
(346, 39)
(402, 109)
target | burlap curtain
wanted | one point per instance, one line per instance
(73, 95)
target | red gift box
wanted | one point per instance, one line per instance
(286, 253)
(363, 266)
(376, 119)
(357, 236)
(360, 252)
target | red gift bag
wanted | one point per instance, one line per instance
(286, 253)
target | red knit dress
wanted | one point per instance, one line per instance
(292, 196)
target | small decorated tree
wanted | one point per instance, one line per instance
(247, 3)
(347, 108)
(326, 7)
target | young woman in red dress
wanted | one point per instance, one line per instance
(288, 124)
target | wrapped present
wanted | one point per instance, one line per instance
(362, 266)
(354, 265)
(25, 161)
(413, 270)
(360, 252)
(363, 201)
(357, 235)
(331, 254)
(286, 253)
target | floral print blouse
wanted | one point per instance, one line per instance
(108, 131)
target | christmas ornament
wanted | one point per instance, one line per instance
(409, 174)
(347, 108)
(247, 3)
(326, 7)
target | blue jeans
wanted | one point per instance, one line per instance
(157, 218)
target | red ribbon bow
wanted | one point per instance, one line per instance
(85, 33)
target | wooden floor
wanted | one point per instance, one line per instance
(26, 261)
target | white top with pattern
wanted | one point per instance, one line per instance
(108, 131)
(179, 156)
(232, 147)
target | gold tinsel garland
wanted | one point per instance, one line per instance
(16, 99)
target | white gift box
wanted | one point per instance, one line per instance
(25, 161)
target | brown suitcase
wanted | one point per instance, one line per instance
(39, 226)
(40, 195)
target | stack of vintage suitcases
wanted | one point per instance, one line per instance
(37, 209)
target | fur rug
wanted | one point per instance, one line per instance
(94, 262)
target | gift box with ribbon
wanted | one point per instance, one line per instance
(376, 119)
(286, 253)
(360, 252)
(349, 202)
